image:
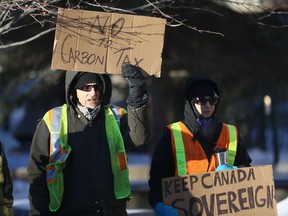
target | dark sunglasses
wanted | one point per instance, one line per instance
(88, 88)
(203, 101)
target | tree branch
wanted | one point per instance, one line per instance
(178, 23)
(41, 11)
(27, 40)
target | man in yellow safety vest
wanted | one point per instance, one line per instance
(78, 162)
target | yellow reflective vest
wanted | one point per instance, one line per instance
(57, 123)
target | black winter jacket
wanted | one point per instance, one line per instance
(88, 180)
(6, 186)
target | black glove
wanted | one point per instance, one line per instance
(137, 93)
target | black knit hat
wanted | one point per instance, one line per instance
(86, 77)
(202, 88)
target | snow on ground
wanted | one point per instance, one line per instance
(282, 207)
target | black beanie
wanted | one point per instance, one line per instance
(86, 77)
(202, 89)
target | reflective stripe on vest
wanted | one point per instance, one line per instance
(118, 112)
(180, 150)
(56, 121)
(59, 151)
(227, 138)
(232, 144)
(122, 188)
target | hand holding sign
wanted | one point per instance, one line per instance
(137, 91)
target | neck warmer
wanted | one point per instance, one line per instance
(203, 123)
(88, 112)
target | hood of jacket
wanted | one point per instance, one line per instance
(191, 115)
(70, 91)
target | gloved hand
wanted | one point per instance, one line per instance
(137, 91)
(163, 210)
(225, 167)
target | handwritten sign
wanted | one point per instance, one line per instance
(101, 42)
(241, 192)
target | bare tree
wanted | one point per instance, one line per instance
(19, 15)
(26, 41)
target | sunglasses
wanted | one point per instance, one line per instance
(203, 101)
(88, 88)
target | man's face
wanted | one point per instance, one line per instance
(88, 95)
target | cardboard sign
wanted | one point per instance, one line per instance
(101, 42)
(241, 192)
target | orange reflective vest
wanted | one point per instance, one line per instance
(57, 123)
(189, 155)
